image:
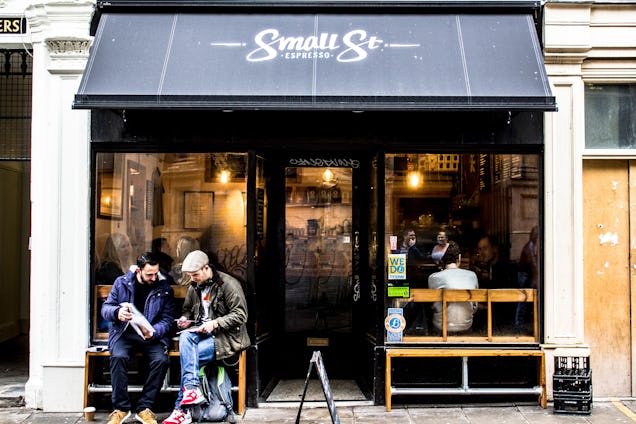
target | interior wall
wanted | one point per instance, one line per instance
(14, 230)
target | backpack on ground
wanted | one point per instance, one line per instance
(217, 389)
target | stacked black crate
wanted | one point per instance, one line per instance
(572, 385)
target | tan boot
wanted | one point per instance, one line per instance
(146, 417)
(118, 417)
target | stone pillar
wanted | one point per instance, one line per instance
(566, 46)
(60, 209)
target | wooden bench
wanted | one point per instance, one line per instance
(90, 386)
(490, 343)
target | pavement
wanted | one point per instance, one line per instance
(604, 412)
(14, 374)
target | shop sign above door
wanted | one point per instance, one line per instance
(13, 25)
(316, 61)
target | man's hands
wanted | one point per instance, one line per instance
(147, 334)
(124, 314)
(206, 327)
(183, 322)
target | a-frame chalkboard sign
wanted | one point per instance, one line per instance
(316, 360)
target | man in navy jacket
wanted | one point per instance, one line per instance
(147, 289)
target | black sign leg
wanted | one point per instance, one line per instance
(302, 399)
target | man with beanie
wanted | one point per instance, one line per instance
(215, 315)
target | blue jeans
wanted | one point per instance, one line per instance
(156, 354)
(196, 350)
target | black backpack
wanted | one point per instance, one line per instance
(217, 389)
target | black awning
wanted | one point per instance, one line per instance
(316, 61)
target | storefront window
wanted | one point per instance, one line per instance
(170, 203)
(609, 112)
(488, 204)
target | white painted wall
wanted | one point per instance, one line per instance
(60, 206)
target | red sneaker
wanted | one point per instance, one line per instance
(192, 397)
(178, 416)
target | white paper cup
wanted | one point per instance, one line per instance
(89, 413)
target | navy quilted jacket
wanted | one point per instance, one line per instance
(159, 308)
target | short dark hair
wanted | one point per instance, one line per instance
(156, 244)
(452, 253)
(147, 258)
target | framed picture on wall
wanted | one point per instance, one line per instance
(109, 187)
(198, 207)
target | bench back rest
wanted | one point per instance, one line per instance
(486, 297)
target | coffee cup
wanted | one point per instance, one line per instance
(89, 413)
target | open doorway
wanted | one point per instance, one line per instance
(316, 310)
(15, 168)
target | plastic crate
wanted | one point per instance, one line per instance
(571, 365)
(573, 404)
(575, 384)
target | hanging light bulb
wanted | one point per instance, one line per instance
(327, 176)
(414, 179)
(225, 177)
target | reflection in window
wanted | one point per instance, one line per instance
(609, 116)
(170, 203)
(486, 203)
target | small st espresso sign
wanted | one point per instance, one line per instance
(13, 25)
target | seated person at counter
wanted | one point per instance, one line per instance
(440, 248)
(490, 266)
(494, 272)
(459, 315)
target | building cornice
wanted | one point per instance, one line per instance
(68, 47)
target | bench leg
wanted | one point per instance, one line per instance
(88, 372)
(241, 383)
(387, 384)
(543, 399)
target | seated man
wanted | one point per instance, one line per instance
(142, 290)
(459, 315)
(216, 305)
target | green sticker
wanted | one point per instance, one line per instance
(399, 292)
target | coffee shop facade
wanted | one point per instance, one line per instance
(296, 145)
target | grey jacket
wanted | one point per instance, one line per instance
(459, 315)
(228, 307)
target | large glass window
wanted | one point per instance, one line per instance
(609, 116)
(170, 203)
(488, 204)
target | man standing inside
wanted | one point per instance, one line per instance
(143, 290)
(216, 310)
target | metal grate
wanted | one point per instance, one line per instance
(16, 68)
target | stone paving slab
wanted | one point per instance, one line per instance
(606, 412)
